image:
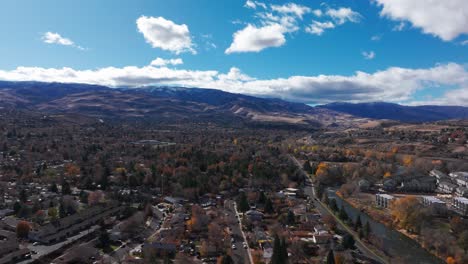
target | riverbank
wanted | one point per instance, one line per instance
(398, 246)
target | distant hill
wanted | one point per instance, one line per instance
(179, 104)
(382, 110)
(168, 104)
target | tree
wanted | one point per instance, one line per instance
(284, 251)
(62, 210)
(463, 240)
(330, 221)
(333, 205)
(325, 199)
(280, 251)
(22, 229)
(104, 238)
(307, 167)
(54, 188)
(269, 206)
(450, 260)
(348, 241)
(367, 230)
(408, 213)
(226, 259)
(23, 196)
(330, 257)
(342, 214)
(66, 188)
(291, 218)
(358, 223)
(243, 203)
(262, 198)
(83, 197)
(52, 212)
(16, 207)
(457, 224)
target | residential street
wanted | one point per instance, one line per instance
(240, 255)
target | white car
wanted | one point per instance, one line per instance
(234, 246)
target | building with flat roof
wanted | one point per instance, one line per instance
(460, 204)
(435, 204)
(383, 200)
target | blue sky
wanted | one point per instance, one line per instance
(309, 51)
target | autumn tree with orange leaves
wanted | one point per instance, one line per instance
(408, 213)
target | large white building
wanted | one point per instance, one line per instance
(383, 200)
(460, 204)
(437, 206)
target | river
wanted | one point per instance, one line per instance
(395, 244)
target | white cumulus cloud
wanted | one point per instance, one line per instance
(343, 15)
(291, 8)
(393, 84)
(165, 34)
(317, 27)
(334, 18)
(56, 38)
(159, 62)
(255, 39)
(446, 19)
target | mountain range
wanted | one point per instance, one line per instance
(178, 104)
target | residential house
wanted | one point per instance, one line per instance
(254, 215)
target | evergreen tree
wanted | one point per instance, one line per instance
(307, 167)
(243, 203)
(367, 230)
(65, 188)
(330, 257)
(84, 197)
(54, 188)
(16, 207)
(227, 259)
(361, 233)
(105, 178)
(284, 251)
(276, 257)
(62, 210)
(342, 214)
(358, 223)
(291, 218)
(269, 206)
(325, 199)
(262, 198)
(104, 238)
(333, 205)
(348, 241)
(23, 196)
(319, 190)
